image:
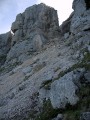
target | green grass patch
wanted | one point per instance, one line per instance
(47, 111)
(46, 84)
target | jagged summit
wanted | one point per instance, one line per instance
(38, 18)
(40, 4)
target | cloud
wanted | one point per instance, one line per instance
(63, 7)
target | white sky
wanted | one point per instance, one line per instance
(63, 7)
(10, 8)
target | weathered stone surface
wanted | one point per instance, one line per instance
(81, 18)
(20, 51)
(85, 116)
(65, 27)
(38, 18)
(62, 91)
(38, 42)
(5, 44)
(19, 87)
(87, 76)
(66, 35)
(32, 30)
(27, 70)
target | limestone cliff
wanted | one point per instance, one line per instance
(32, 30)
(45, 74)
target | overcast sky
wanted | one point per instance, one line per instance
(10, 8)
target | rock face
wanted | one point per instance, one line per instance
(65, 27)
(45, 74)
(63, 89)
(32, 29)
(5, 44)
(85, 116)
(81, 18)
(38, 19)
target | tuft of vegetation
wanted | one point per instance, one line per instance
(69, 112)
(73, 113)
(38, 67)
(26, 78)
(46, 84)
(47, 111)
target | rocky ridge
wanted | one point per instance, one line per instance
(32, 29)
(45, 74)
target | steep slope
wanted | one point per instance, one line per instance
(46, 75)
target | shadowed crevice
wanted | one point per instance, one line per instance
(87, 4)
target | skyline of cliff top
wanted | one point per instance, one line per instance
(9, 9)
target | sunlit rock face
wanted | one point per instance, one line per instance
(32, 30)
(81, 18)
(38, 19)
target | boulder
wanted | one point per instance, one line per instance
(63, 90)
